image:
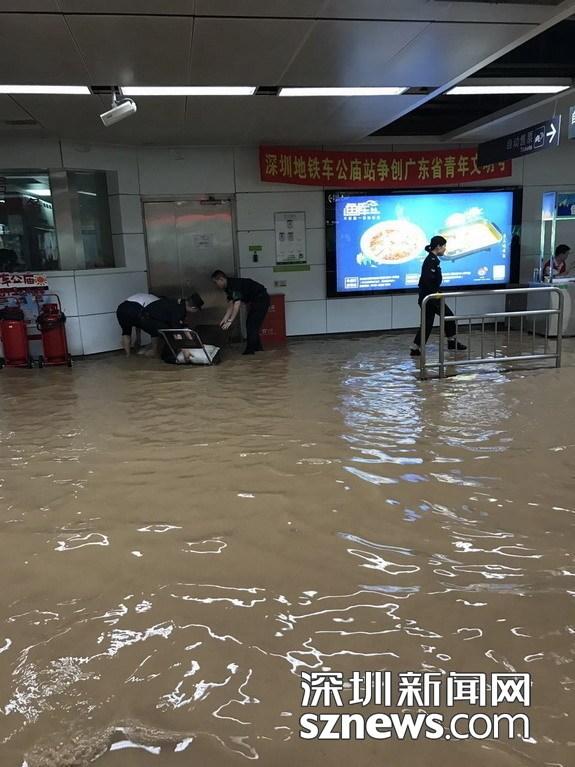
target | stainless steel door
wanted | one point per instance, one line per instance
(187, 240)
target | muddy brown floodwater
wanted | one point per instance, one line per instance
(178, 545)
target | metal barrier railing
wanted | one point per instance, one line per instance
(493, 318)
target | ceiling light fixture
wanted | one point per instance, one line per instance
(40, 90)
(187, 90)
(387, 91)
(504, 90)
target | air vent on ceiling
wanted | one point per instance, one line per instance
(267, 90)
(20, 123)
(419, 91)
(103, 90)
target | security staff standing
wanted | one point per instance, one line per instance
(244, 291)
(150, 313)
(429, 283)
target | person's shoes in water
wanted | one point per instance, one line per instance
(415, 351)
(452, 345)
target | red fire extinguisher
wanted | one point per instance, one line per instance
(14, 338)
(51, 323)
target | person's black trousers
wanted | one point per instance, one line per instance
(432, 309)
(256, 315)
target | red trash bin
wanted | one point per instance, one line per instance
(273, 330)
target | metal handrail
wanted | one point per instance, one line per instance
(496, 316)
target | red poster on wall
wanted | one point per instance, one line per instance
(381, 170)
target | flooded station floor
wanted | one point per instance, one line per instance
(178, 545)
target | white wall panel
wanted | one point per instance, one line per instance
(120, 161)
(299, 286)
(74, 336)
(100, 333)
(256, 211)
(186, 171)
(126, 214)
(130, 251)
(65, 288)
(315, 244)
(304, 318)
(405, 311)
(101, 293)
(34, 154)
(555, 166)
(358, 314)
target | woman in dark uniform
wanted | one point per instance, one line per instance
(240, 290)
(429, 283)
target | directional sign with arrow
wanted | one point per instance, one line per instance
(533, 139)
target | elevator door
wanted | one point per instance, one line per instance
(187, 240)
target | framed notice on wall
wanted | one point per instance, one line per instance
(290, 238)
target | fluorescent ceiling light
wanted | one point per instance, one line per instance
(64, 90)
(391, 91)
(188, 90)
(39, 192)
(511, 90)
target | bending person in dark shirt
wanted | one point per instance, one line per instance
(429, 283)
(151, 314)
(244, 291)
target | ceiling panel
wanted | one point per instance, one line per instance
(435, 10)
(9, 110)
(262, 8)
(141, 7)
(39, 49)
(244, 51)
(157, 119)
(134, 50)
(365, 113)
(446, 51)
(351, 53)
(266, 118)
(28, 6)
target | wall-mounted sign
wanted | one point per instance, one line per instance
(533, 139)
(290, 238)
(571, 129)
(23, 281)
(548, 206)
(565, 205)
(375, 170)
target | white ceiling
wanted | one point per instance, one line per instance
(246, 42)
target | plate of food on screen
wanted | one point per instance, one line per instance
(391, 242)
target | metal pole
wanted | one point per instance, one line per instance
(559, 348)
(495, 338)
(442, 336)
(422, 330)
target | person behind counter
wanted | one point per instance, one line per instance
(429, 283)
(239, 290)
(150, 313)
(559, 261)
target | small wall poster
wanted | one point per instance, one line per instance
(290, 238)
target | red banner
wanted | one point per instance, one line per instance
(22, 281)
(381, 170)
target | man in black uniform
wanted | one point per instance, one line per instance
(429, 283)
(240, 290)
